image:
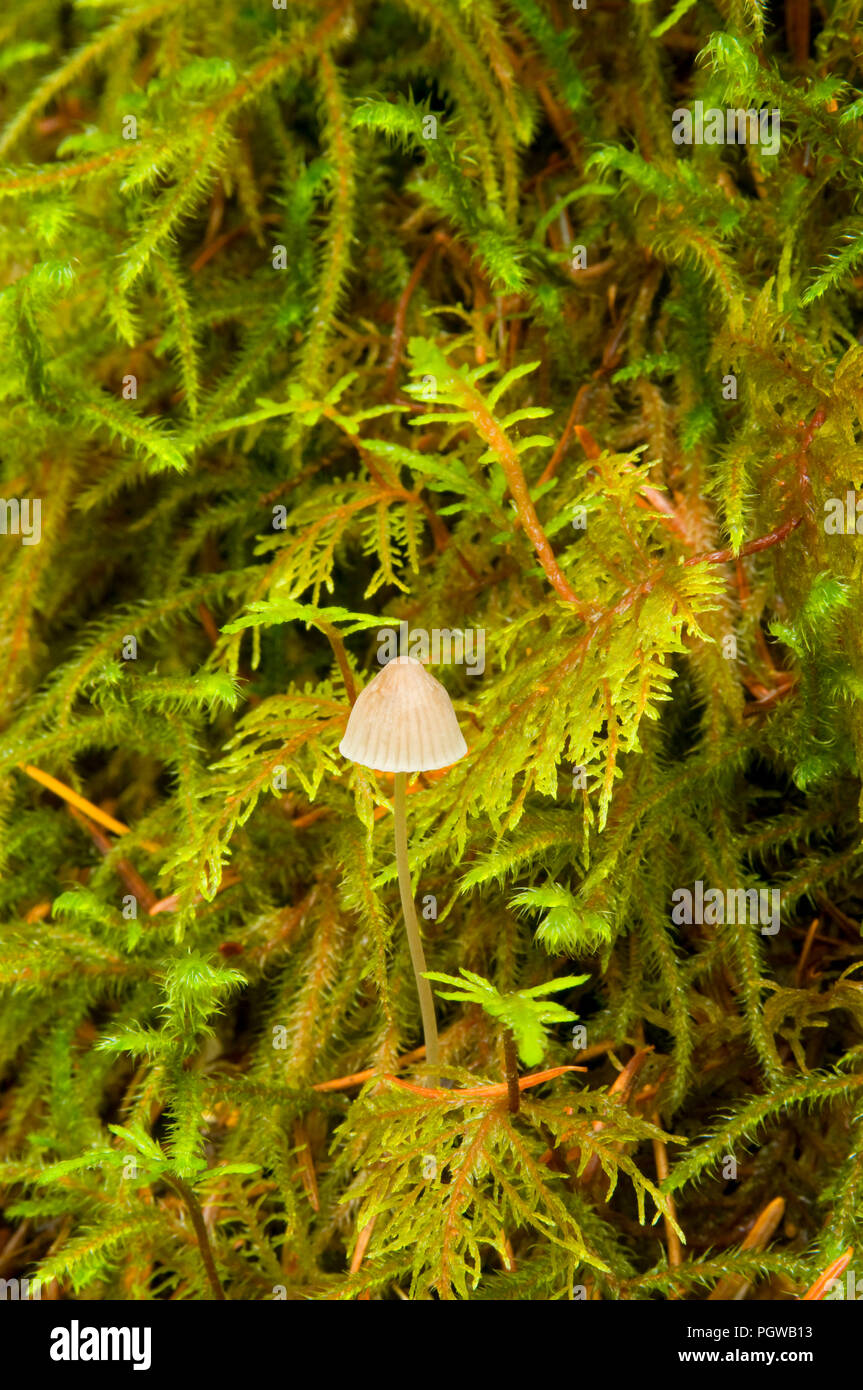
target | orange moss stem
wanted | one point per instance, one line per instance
(497, 440)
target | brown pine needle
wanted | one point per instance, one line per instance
(307, 1164)
(833, 1271)
(660, 1154)
(757, 1239)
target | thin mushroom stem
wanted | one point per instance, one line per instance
(411, 924)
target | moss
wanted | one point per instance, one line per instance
(334, 322)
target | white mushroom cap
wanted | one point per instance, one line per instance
(403, 722)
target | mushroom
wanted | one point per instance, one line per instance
(403, 721)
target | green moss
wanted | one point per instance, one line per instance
(323, 320)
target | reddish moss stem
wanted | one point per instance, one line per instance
(510, 1058)
(194, 1209)
(496, 438)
